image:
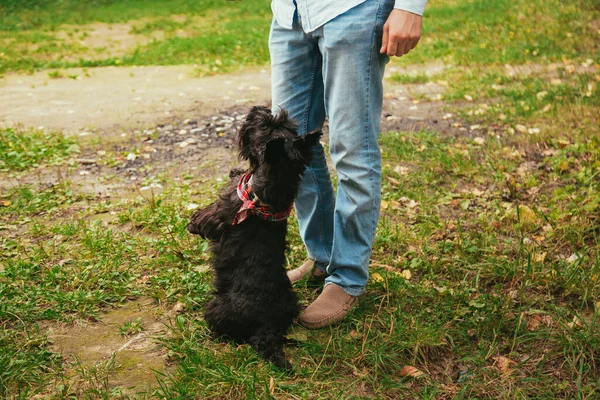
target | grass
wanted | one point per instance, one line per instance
(54, 35)
(219, 36)
(486, 266)
(21, 150)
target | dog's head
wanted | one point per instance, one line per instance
(277, 155)
(272, 140)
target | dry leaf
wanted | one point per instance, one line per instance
(406, 274)
(178, 307)
(540, 257)
(521, 128)
(376, 277)
(400, 170)
(411, 371)
(271, 386)
(576, 323)
(534, 322)
(355, 335)
(503, 364)
(5, 203)
(393, 181)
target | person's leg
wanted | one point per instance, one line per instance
(297, 86)
(352, 74)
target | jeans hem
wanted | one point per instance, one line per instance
(349, 291)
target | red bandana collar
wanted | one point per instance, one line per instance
(251, 204)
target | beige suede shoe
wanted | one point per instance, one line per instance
(298, 273)
(332, 306)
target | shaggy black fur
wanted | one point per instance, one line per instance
(253, 300)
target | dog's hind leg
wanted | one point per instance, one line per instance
(270, 346)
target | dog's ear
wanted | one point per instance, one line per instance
(306, 142)
(274, 150)
(312, 138)
(300, 149)
(256, 121)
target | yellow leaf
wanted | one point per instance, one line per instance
(406, 274)
(271, 386)
(376, 277)
(539, 257)
(5, 203)
(527, 215)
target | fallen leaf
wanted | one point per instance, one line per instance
(521, 128)
(503, 364)
(355, 335)
(271, 386)
(406, 274)
(534, 322)
(411, 371)
(178, 307)
(527, 215)
(5, 203)
(400, 170)
(376, 277)
(576, 323)
(393, 181)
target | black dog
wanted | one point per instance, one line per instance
(253, 300)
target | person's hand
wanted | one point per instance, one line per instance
(401, 33)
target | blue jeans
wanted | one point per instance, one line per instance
(336, 72)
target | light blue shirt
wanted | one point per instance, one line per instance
(316, 13)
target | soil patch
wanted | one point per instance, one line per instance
(136, 356)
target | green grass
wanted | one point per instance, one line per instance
(21, 150)
(221, 35)
(486, 263)
(502, 31)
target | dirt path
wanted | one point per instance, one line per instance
(113, 98)
(110, 99)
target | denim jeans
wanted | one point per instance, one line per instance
(336, 72)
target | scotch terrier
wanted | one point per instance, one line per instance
(253, 299)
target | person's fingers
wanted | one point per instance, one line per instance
(392, 47)
(384, 40)
(415, 42)
(403, 47)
